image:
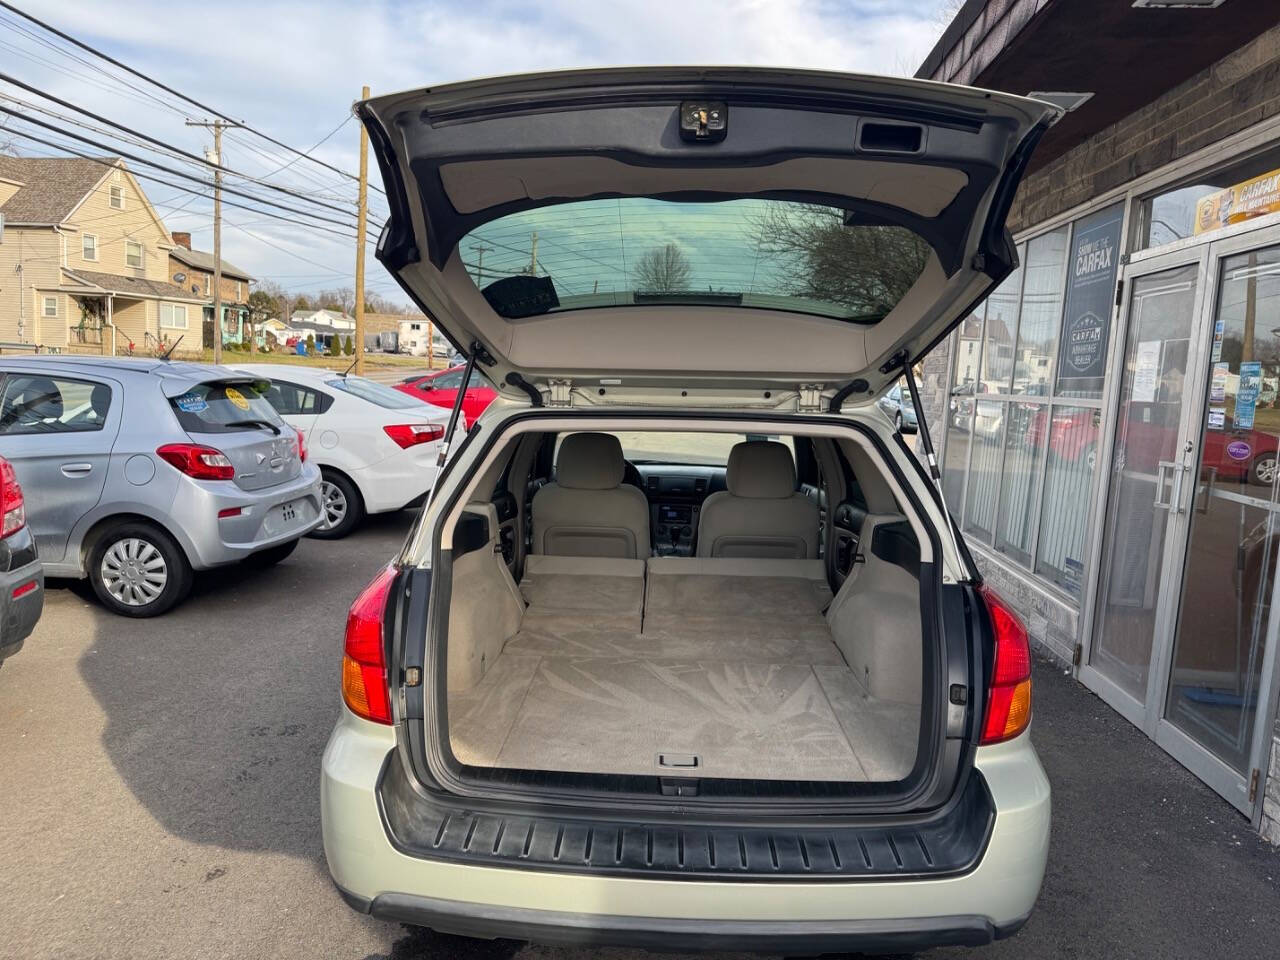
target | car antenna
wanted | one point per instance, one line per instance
(165, 355)
(348, 370)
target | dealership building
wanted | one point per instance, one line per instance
(1109, 419)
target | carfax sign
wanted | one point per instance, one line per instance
(1091, 284)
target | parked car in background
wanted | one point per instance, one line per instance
(137, 472)
(21, 576)
(376, 448)
(441, 389)
(897, 404)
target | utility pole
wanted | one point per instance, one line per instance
(480, 250)
(216, 159)
(362, 216)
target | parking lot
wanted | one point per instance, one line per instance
(159, 794)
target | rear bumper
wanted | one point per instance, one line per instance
(378, 876)
(398, 480)
(19, 615)
(665, 934)
(260, 524)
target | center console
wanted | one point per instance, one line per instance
(675, 493)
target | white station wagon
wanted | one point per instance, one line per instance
(685, 651)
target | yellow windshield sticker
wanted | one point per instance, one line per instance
(238, 398)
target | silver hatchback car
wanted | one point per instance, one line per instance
(140, 471)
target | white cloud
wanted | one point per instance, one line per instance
(293, 69)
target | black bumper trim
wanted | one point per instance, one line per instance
(433, 827)
(557, 928)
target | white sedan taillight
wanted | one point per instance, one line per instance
(411, 434)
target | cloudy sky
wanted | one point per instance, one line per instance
(292, 70)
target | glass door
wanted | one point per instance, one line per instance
(1218, 667)
(1149, 456)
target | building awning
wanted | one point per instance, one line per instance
(1125, 56)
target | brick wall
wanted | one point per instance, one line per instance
(1238, 91)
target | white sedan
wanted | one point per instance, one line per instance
(376, 447)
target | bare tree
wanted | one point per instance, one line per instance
(664, 269)
(865, 268)
(342, 299)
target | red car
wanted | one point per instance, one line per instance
(1242, 455)
(441, 389)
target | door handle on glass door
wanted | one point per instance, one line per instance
(76, 469)
(1208, 490)
(1175, 502)
(1160, 484)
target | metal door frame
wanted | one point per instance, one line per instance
(1148, 714)
(1140, 713)
(1231, 784)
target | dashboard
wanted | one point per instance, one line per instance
(675, 493)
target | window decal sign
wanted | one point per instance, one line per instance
(191, 403)
(236, 397)
(1252, 198)
(1091, 283)
(1239, 450)
(1247, 394)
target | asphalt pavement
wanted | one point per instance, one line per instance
(159, 795)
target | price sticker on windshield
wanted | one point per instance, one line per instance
(238, 398)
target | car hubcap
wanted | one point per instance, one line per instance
(1266, 470)
(134, 571)
(335, 504)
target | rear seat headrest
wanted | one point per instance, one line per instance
(761, 470)
(590, 461)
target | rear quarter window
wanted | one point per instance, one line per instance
(225, 406)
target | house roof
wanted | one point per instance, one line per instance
(52, 187)
(200, 260)
(137, 286)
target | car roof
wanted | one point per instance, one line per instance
(145, 366)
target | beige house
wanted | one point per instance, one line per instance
(84, 262)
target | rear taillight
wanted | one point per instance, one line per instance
(364, 659)
(195, 460)
(1009, 702)
(13, 512)
(410, 434)
(302, 447)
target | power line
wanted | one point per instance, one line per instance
(154, 82)
(168, 170)
(194, 158)
(177, 186)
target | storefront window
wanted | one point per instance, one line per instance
(985, 467)
(1041, 310)
(1026, 398)
(1229, 195)
(1073, 434)
(1020, 483)
(1002, 321)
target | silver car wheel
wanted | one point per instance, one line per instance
(1266, 469)
(134, 571)
(334, 503)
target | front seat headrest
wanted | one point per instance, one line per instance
(761, 470)
(100, 400)
(590, 461)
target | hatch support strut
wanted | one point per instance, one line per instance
(454, 414)
(923, 428)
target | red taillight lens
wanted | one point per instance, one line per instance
(13, 512)
(364, 661)
(410, 434)
(1009, 703)
(195, 460)
(302, 447)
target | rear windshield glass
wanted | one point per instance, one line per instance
(378, 393)
(226, 406)
(770, 254)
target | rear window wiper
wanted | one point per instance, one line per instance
(254, 423)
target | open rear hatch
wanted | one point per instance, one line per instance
(725, 228)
